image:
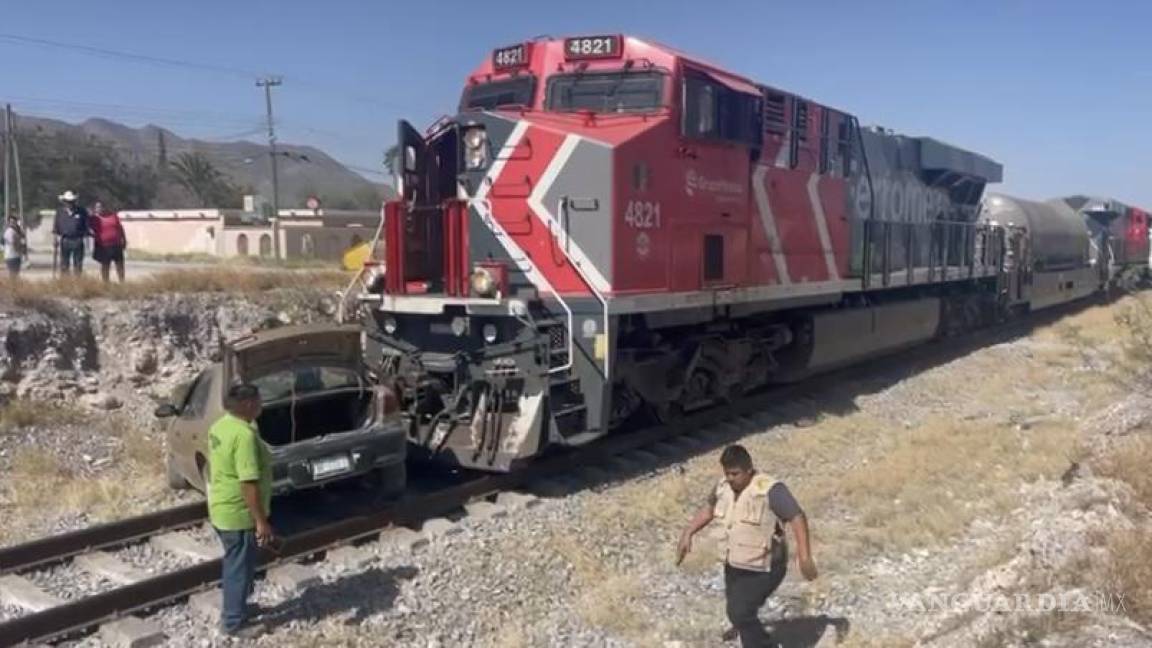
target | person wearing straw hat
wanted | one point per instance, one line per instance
(70, 228)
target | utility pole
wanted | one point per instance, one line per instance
(162, 147)
(15, 144)
(7, 160)
(268, 83)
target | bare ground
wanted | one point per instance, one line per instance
(984, 501)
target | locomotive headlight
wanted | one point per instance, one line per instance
(483, 283)
(459, 326)
(475, 147)
(390, 325)
(489, 332)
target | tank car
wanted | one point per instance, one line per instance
(608, 228)
(1050, 259)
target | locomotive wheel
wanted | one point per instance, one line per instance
(665, 412)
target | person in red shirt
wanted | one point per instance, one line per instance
(108, 239)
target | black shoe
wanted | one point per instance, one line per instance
(248, 630)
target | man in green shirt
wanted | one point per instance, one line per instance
(239, 498)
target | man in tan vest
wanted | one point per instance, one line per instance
(749, 506)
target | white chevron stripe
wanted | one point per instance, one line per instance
(769, 222)
(536, 202)
(484, 207)
(822, 227)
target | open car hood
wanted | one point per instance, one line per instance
(266, 352)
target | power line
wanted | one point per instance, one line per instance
(194, 65)
(138, 58)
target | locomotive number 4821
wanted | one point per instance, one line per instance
(642, 214)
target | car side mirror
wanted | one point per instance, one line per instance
(166, 410)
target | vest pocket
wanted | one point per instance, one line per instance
(752, 510)
(746, 551)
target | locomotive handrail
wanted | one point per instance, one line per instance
(562, 212)
(343, 306)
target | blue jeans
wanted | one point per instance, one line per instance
(71, 255)
(238, 575)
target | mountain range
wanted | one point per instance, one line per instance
(303, 170)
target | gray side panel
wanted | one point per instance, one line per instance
(898, 192)
(938, 156)
(585, 181)
(846, 336)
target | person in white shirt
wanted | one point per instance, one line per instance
(13, 247)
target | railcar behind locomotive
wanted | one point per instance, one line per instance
(610, 228)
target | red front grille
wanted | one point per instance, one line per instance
(427, 249)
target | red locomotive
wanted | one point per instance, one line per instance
(609, 228)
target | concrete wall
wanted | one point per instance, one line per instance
(320, 242)
(173, 236)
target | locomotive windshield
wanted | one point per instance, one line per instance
(610, 92)
(516, 91)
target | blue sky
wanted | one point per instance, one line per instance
(1059, 91)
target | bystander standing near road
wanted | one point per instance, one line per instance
(15, 247)
(70, 229)
(239, 501)
(108, 240)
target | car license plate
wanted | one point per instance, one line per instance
(328, 466)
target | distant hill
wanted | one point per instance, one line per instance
(306, 171)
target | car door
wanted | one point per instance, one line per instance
(187, 428)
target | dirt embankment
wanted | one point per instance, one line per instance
(79, 379)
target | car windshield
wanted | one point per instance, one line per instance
(301, 381)
(606, 92)
(516, 91)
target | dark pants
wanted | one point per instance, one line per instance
(238, 577)
(745, 591)
(13, 266)
(71, 255)
(106, 255)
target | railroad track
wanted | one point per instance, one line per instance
(720, 424)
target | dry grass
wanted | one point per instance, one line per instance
(1130, 460)
(21, 413)
(608, 599)
(221, 279)
(244, 261)
(1129, 572)
(40, 487)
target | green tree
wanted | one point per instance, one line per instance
(52, 162)
(392, 158)
(196, 173)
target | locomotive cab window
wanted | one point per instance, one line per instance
(606, 92)
(517, 91)
(712, 110)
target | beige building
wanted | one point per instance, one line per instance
(303, 233)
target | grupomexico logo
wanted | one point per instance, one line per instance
(694, 181)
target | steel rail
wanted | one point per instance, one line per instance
(82, 614)
(60, 547)
(79, 615)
